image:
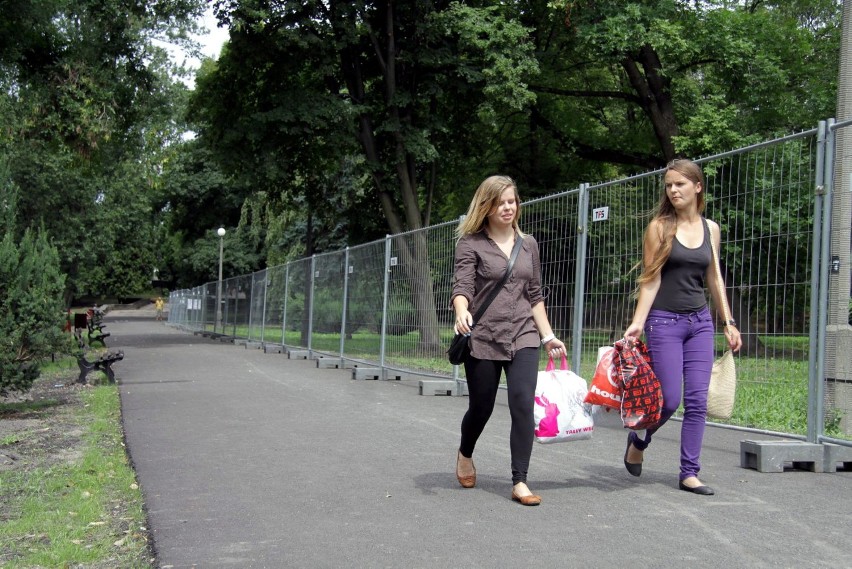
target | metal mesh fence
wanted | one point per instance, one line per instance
(365, 281)
(387, 303)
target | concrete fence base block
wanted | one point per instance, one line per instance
(441, 387)
(837, 455)
(226, 339)
(329, 363)
(772, 456)
(240, 341)
(298, 354)
(436, 387)
(366, 373)
(273, 349)
(253, 344)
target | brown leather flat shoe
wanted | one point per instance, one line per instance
(531, 500)
(465, 481)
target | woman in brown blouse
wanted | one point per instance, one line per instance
(507, 337)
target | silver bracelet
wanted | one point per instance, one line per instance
(547, 339)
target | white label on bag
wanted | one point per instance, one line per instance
(597, 391)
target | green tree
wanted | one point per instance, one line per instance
(390, 87)
(637, 83)
(31, 315)
(88, 104)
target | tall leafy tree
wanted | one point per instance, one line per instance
(647, 81)
(87, 105)
(393, 87)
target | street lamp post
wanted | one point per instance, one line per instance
(218, 325)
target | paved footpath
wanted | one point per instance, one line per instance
(253, 460)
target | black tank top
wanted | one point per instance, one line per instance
(682, 278)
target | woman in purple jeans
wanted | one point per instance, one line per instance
(672, 311)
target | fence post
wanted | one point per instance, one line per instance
(580, 276)
(284, 306)
(227, 305)
(263, 313)
(824, 266)
(251, 308)
(311, 301)
(236, 307)
(345, 303)
(814, 328)
(203, 312)
(385, 303)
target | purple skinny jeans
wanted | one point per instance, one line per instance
(681, 349)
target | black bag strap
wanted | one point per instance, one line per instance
(720, 282)
(515, 250)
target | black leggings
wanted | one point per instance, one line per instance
(483, 381)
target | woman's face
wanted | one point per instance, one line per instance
(681, 191)
(503, 214)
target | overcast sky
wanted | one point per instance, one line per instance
(215, 37)
(211, 45)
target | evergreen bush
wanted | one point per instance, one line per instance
(31, 315)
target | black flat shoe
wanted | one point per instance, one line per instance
(701, 490)
(632, 468)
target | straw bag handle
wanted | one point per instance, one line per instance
(726, 310)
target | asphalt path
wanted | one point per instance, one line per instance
(253, 460)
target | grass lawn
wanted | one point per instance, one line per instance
(68, 496)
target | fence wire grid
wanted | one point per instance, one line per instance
(386, 304)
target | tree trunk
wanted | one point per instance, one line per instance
(655, 97)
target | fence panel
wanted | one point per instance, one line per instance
(617, 215)
(273, 315)
(364, 302)
(590, 240)
(256, 301)
(328, 293)
(553, 222)
(297, 302)
(419, 320)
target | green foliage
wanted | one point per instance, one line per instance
(636, 83)
(89, 104)
(31, 316)
(84, 510)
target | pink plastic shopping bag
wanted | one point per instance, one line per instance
(560, 413)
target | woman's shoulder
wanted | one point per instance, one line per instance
(529, 240)
(471, 241)
(714, 227)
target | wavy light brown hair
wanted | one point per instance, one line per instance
(485, 199)
(665, 214)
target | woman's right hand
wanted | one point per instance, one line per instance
(464, 321)
(633, 332)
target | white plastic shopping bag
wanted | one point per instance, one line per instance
(560, 413)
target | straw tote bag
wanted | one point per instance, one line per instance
(723, 387)
(723, 379)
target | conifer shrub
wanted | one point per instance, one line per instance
(31, 315)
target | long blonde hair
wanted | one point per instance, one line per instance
(665, 214)
(485, 199)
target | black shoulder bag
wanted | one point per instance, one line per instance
(459, 349)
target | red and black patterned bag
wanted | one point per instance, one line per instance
(642, 398)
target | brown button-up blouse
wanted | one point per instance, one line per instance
(507, 325)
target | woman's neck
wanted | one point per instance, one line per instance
(500, 234)
(690, 216)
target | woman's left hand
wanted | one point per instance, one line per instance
(556, 348)
(735, 342)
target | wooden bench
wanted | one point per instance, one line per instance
(96, 333)
(101, 362)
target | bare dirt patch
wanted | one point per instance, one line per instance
(39, 429)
